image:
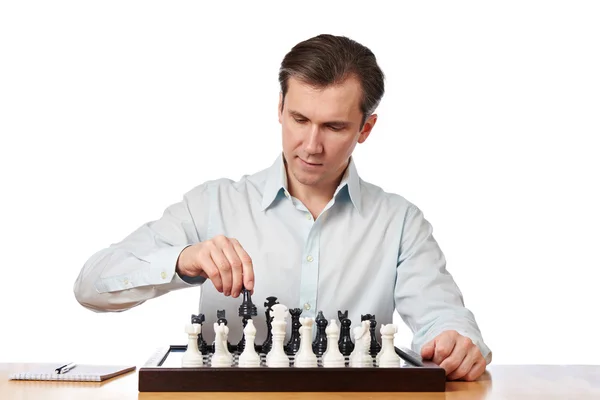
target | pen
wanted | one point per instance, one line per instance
(65, 368)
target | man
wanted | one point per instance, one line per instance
(307, 230)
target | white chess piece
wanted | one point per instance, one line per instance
(225, 338)
(249, 357)
(332, 357)
(277, 357)
(221, 357)
(192, 357)
(387, 357)
(306, 358)
(360, 357)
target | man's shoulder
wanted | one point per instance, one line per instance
(376, 195)
(246, 182)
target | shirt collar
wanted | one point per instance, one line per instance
(277, 180)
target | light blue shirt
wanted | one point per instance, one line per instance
(368, 252)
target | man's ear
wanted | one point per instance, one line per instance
(279, 107)
(367, 128)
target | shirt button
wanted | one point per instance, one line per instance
(306, 306)
(309, 259)
(308, 216)
(126, 281)
(163, 275)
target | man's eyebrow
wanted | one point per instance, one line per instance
(296, 114)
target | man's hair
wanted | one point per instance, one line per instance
(326, 60)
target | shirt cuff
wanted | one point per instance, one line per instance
(160, 271)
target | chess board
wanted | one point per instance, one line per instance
(163, 373)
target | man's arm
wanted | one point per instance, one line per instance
(426, 296)
(143, 265)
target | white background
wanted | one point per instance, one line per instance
(110, 111)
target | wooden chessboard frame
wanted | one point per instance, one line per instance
(153, 377)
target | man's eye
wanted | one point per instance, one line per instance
(300, 121)
(335, 128)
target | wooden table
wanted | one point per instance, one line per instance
(498, 382)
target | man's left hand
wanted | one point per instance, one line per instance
(457, 354)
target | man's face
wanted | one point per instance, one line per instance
(321, 127)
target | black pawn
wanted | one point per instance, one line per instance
(320, 343)
(247, 310)
(199, 319)
(266, 346)
(293, 345)
(222, 320)
(375, 347)
(345, 343)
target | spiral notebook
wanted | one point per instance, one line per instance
(80, 373)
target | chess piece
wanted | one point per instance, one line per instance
(249, 357)
(192, 356)
(202, 346)
(221, 314)
(247, 310)
(374, 347)
(276, 358)
(320, 343)
(387, 357)
(221, 358)
(345, 342)
(360, 357)
(332, 357)
(305, 358)
(266, 346)
(293, 345)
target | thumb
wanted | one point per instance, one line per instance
(428, 350)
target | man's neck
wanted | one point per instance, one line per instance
(315, 198)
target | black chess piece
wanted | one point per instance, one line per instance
(247, 310)
(345, 343)
(222, 320)
(375, 347)
(319, 345)
(199, 319)
(266, 346)
(293, 345)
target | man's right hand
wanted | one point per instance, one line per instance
(222, 260)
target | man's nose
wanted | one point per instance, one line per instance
(314, 141)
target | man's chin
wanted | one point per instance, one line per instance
(306, 179)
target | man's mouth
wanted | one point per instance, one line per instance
(309, 163)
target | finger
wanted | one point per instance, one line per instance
(443, 347)
(224, 269)
(236, 269)
(465, 366)
(247, 267)
(210, 271)
(428, 350)
(454, 360)
(476, 370)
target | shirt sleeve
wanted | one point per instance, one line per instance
(427, 297)
(143, 265)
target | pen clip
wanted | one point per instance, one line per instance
(65, 368)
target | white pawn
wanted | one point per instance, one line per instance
(249, 357)
(360, 357)
(306, 358)
(277, 357)
(387, 357)
(192, 357)
(221, 357)
(332, 357)
(225, 339)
